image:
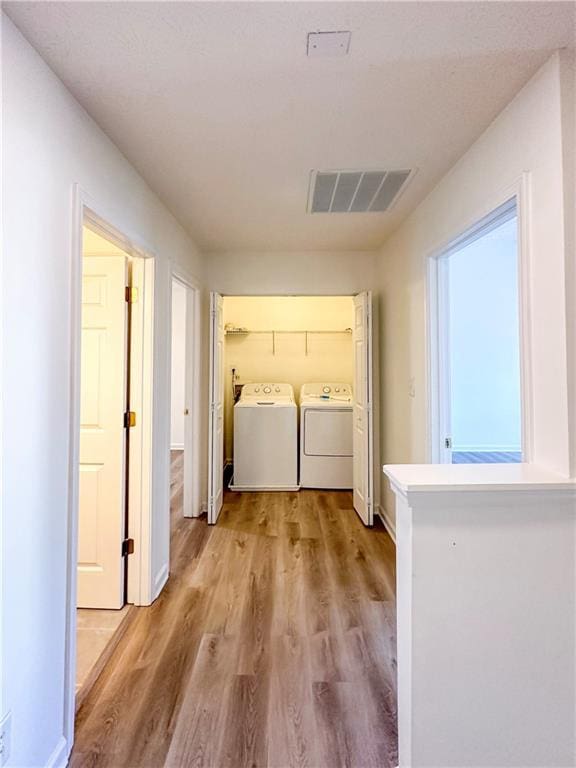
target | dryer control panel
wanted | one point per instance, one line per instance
(326, 390)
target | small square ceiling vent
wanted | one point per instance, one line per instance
(355, 191)
(328, 44)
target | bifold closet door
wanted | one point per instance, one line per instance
(216, 417)
(363, 440)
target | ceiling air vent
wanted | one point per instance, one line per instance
(355, 191)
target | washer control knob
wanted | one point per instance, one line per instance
(326, 390)
(277, 389)
(257, 389)
(267, 390)
(337, 389)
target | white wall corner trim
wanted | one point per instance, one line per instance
(159, 580)
(60, 754)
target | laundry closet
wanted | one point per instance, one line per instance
(273, 346)
(291, 396)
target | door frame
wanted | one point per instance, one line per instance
(437, 322)
(192, 501)
(87, 211)
(374, 374)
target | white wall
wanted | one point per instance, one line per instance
(329, 358)
(526, 137)
(484, 343)
(567, 90)
(315, 273)
(178, 367)
(49, 145)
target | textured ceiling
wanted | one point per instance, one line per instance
(221, 111)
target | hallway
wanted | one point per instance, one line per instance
(273, 644)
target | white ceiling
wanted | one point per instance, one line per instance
(221, 111)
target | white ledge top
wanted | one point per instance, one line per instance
(475, 477)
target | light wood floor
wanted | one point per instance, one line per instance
(273, 644)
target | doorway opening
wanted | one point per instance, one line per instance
(111, 442)
(475, 289)
(103, 508)
(291, 396)
(184, 400)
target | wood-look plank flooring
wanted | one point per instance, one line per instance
(273, 644)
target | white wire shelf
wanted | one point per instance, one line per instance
(273, 333)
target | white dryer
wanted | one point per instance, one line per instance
(265, 439)
(326, 453)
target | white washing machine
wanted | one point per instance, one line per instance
(265, 439)
(326, 454)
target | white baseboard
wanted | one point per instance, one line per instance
(246, 488)
(387, 521)
(60, 754)
(177, 446)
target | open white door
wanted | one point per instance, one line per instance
(216, 420)
(190, 458)
(102, 432)
(363, 409)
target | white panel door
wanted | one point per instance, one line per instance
(363, 408)
(216, 425)
(102, 432)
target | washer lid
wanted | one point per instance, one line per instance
(317, 404)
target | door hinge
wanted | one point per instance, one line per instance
(131, 294)
(127, 547)
(129, 419)
(448, 442)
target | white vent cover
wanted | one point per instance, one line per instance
(328, 44)
(355, 191)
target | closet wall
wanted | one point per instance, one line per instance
(311, 343)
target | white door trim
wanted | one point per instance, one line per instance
(86, 210)
(438, 359)
(436, 320)
(192, 505)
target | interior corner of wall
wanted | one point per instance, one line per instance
(60, 754)
(388, 519)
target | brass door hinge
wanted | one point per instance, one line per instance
(129, 419)
(131, 294)
(127, 547)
